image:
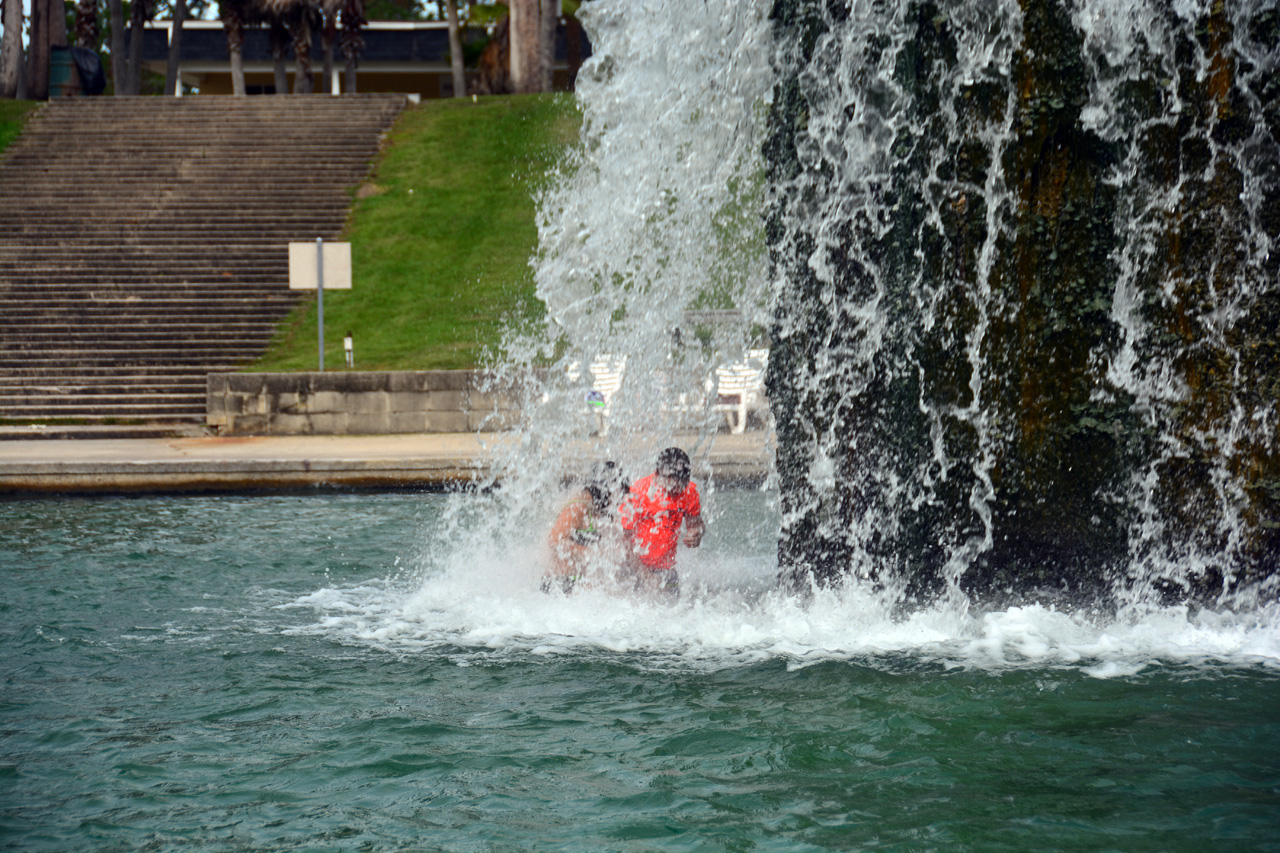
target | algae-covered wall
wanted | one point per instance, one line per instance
(1027, 299)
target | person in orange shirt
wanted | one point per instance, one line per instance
(653, 514)
(586, 540)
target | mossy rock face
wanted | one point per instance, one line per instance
(1025, 331)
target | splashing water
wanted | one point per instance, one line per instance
(650, 261)
(651, 249)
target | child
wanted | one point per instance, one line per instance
(653, 513)
(586, 534)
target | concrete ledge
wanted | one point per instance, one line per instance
(228, 477)
(230, 464)
(362, 403)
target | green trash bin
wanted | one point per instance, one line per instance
(64, 77)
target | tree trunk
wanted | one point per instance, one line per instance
(532, 43)
(351, 41)
(516, 41)
(547, 44)
(328, 38)
(137, 21)
(119, 62)
(301, 27)
(87, 30)
(48, 27)
(171, 82)
(278, 36)
(11, 49)
(455, 51)
(233, 23)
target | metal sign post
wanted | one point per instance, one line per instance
(320, 298)
(308, 265)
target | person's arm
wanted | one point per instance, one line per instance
(694, 527)
(565, 553)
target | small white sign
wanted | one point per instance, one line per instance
(337, 266)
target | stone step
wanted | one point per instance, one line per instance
(176, 354)
(161, 257)
(230, 176)
(346, 115)
(66, 175)
(131, 410)
(318, 167)
(195, 314)
(245, 323)
(297, 213)
(152, 226)
(149, 230)
(197, 191)
(212, 282)
(296, 121)
(223, 290)
(140, 308)
(36, 336)
(33, 333)
(214, 148)
(131, 346)
(36, 209)
(31, 339)
(236, 299)
(61, 397)
(206, 275)
(105, 300)
(86, 249)
(190, 384)
(192, 239)
(27, 203)
(107, 375)
(265, 293)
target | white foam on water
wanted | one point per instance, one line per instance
(730, 615)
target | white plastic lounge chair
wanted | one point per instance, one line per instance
(740, 388)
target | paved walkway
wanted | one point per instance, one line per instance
(213, 463)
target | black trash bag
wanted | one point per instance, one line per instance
(93, 81)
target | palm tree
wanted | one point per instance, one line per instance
(328, 41)
(350, 40)
(87, 29)
(278, 36)
(11, 48)
(236, 15)
(48, 28)
(171, 82)
(532, 33)
(455, 50)
(302, 17)
(140, 14)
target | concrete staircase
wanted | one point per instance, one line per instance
(143, 242)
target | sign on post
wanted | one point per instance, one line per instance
(317, 266)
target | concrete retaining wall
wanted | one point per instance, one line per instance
(361, 403)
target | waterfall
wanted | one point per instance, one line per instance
(1013, 261)
(1026, 294)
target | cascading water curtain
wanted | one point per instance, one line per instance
(1026, 295)
(652, 222)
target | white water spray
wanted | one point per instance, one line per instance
(654, 217)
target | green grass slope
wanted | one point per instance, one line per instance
(441, 237)
(13, 115)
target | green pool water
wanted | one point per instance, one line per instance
(312, 672)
